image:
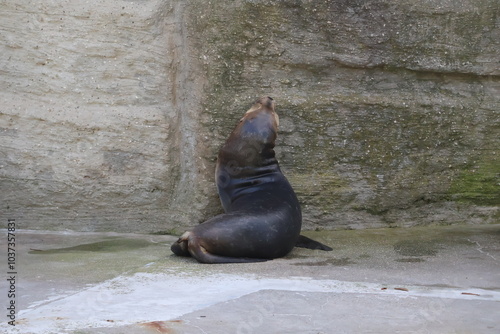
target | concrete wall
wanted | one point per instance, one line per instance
(113, 111)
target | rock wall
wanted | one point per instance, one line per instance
(113, 112)
(97, 130)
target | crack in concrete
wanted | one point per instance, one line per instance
(480, 249)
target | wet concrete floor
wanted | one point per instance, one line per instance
(418, 280)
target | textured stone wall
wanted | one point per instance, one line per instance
(96, 126)
(113, 111)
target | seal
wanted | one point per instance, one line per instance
(262, 218)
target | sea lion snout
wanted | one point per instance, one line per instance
(268, 102)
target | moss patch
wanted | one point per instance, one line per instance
(479, 185)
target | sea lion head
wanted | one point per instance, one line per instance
(264, 103)
(258, 126)
(252, 141)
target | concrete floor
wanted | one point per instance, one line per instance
(419, 280)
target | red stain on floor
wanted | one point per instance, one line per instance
(164, 327)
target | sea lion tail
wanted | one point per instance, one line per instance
(305, 242)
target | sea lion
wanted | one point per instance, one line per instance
(262, 218)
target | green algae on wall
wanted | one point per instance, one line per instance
(389, 109)
(384, 105)
(479, 184)
(381, 115)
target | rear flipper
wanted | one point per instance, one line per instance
(189, 245)
(201, 254)
(305, 242)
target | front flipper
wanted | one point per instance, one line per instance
(305, 242)
(180, 247)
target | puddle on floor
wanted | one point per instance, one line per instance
(417, 247)
(411, 260)
(114, 245)
(345, 261)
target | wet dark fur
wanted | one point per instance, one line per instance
(262, 218)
